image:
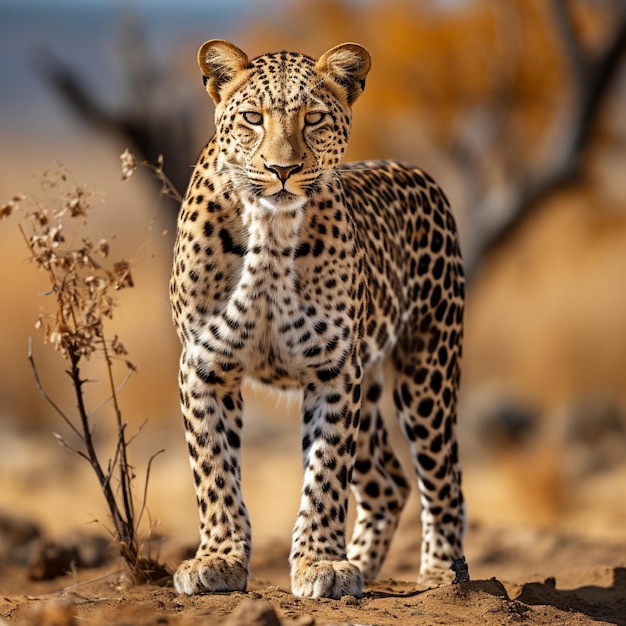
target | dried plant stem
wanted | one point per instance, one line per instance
(43, 393)
(130, 164)
(125, 522)
(84, 294)
(125, 472)
(119, 522)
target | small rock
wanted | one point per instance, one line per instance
(54, 613)
(16, 533)
(303, 620)
(349, 601)
(253, 613)
(52, 558)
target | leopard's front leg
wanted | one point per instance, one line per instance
(331, 409)
(211, 405)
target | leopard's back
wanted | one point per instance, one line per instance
(411, 247)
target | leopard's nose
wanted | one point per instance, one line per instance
(283, 172)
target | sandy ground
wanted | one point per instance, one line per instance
(568, 570)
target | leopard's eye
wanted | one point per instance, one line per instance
(253, 117)
(313, 118)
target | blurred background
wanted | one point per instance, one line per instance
(517, 107)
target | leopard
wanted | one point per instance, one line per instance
(297, 271)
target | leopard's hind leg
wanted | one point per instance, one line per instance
(378, 483)
(428, 372)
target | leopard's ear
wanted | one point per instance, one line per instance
(220, 61)
(348, 65)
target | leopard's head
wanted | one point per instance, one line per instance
(282, 120)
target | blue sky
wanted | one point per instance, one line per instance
(201, 4)
(130, 3)
(83, 33)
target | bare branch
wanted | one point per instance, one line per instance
(145, 485)
(150, 129)
(505, 209)
(67, 446)
(603, 74)
(123, 466)
(134, 435)
(118, 389)
(574, 53)
(44, 394)
(73, 90)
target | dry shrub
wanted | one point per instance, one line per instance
(83, 287)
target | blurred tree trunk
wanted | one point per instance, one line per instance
(153, 122)
(503, 209)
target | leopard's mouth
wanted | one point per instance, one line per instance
(283, 200)
(283, 196)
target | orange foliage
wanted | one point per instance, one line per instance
(434, 68)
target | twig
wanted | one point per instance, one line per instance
(145, 484)
(141, 427)
(67, 446)
(108, 399)
(44, 394)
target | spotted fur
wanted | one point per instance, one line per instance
(299, 272)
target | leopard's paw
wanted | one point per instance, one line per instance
(436, 571)
(435, 576)
(205, 574)
(326, 579)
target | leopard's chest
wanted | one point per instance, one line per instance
(279, 310)
(268, 323)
